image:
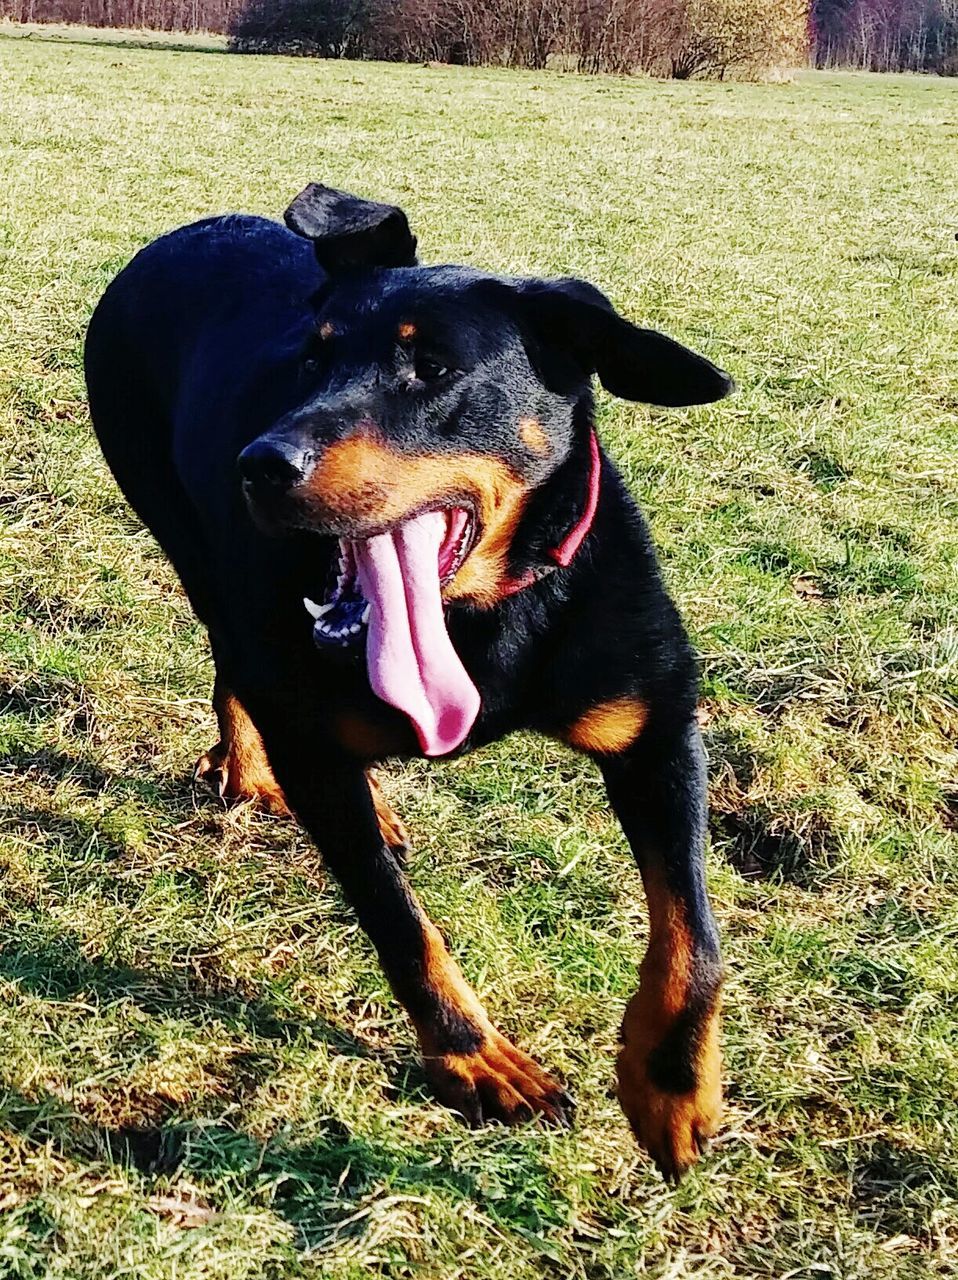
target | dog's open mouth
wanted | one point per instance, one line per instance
(340, 620)
(388, 590)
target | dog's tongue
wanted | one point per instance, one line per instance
(412, 664)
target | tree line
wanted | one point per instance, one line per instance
(680, 38)
(887, 35)
(153, 15)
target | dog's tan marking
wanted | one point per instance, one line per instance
(533, 436)
(407, 330)
(366, 740)
(393, 828)
(609, 727)
(237, 767)
(362, 478)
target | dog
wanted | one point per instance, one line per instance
(381, 487)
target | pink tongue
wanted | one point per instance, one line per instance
(412, 664)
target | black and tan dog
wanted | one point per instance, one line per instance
(302, 414)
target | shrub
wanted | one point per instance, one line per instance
(324, 28)
(715, 37)
(662, 37)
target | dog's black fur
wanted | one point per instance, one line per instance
(237, 338)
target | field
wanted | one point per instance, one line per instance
(202, 1073)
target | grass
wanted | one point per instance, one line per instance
(202, 1072)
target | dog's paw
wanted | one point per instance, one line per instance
(497, 1082)
(674, 1126)
(232, 778)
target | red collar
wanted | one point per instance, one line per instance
(563, 554)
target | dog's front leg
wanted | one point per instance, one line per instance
(472, 1067)
(669, 1067)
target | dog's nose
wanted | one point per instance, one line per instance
(274, 464)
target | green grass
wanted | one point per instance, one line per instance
(202, 1073)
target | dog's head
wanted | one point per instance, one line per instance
(441, 389)
(435, 401)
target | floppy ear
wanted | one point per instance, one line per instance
(636, 364)
(347, 231)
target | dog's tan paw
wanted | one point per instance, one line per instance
(497, 1082)
(233, 777)
(673, 1125)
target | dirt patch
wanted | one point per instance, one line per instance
(761, 844)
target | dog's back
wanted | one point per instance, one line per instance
(193, 332)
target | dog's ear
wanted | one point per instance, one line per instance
(636, 364)
(349, 232)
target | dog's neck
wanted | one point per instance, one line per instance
(552, 543)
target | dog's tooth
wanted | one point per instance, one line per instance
(355, 629)
(315, 610)
(364, 617)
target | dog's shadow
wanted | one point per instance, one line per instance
(317, 1185)
(56, 968)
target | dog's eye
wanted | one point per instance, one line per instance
(429, 370)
